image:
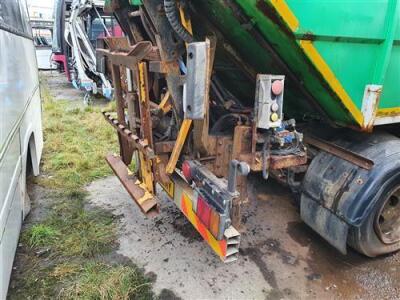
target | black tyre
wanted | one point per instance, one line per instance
(359, 206)
(380, 232)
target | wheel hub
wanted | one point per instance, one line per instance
(387, 221)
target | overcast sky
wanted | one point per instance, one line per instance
(41, 8)
(43, 3)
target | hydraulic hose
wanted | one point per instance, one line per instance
(173, 17)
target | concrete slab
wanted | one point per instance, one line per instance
(280, 257)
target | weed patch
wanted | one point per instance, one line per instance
(64, 254)
(40, 235)
(72, 230)
(102, 281)
(76, 140)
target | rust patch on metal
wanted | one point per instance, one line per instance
(145, 200)
(130, 56)
(276, 162)
(341, 152)
(163, 67)
(141, 145)
(286, 161)
(308, 36)
(164, 147)
(389, 112)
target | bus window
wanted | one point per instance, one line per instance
(25, 18)
(13, 15)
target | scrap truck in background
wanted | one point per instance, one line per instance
(79, 28)
(305, 92)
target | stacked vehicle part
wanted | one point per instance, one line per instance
(83, 56)
(79, 29)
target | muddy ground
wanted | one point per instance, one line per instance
(280, 257)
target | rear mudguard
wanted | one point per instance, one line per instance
(337, 194)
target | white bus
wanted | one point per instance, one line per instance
(21, 138)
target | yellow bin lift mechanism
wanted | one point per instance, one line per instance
(143, 190)
(187, 123)
(158, 159)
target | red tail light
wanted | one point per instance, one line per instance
(203, 211)
(187, 172)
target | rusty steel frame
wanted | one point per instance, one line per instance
(276, 162)
(121, 56)
(126, 150)
(143, 198)
(158, 160)
(132, 55)
(138, 143)
(146, 128)
(340, 152)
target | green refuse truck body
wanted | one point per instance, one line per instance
(344, 54)
(341, 60)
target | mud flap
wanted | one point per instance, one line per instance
(325, 223)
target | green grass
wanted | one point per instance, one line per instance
(71, 230)
(74, 239)
(102, 281)
(85, 280)
(76, 141)
(40, 235)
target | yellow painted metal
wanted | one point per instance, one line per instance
(165, 105)
(382, 112)
(147, 195)
(145, 165)
(180, 141)
(169, 188)
(330, 77)
(142, 85)
(185, 21)
(186, 124)
(146, 173)
(283, 9)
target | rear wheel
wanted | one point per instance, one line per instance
(347, 203)
(380, 232)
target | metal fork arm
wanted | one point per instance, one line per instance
(136, 189)
(139, 144)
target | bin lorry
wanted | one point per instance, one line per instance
(305, 92)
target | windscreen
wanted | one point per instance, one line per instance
(58, 27)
